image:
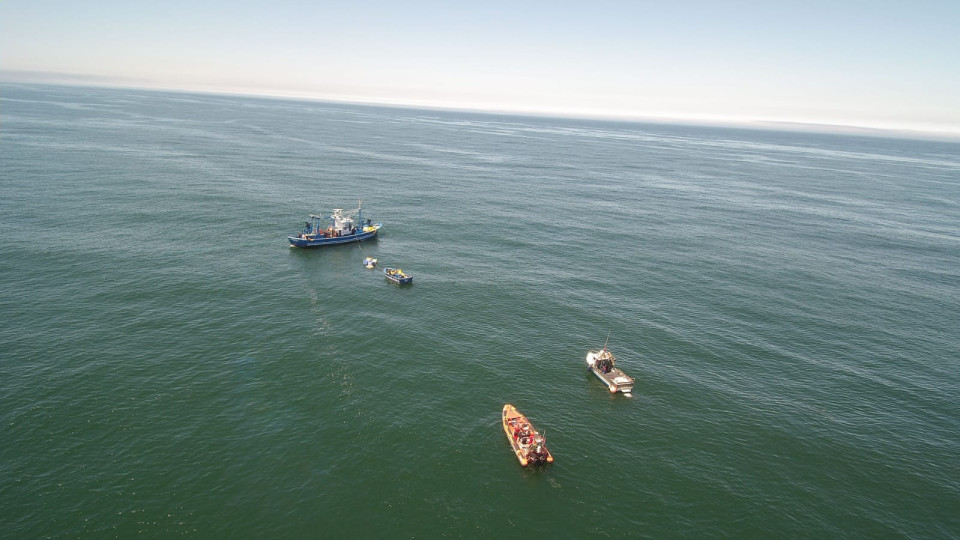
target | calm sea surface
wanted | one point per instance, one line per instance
(789, 304)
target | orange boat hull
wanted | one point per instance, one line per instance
(512, 417)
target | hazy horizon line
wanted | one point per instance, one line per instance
(53, 78)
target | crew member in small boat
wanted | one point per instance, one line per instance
(604, 365)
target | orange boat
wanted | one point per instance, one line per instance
(529, 445)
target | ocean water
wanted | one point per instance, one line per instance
(789, 304)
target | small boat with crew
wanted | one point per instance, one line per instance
(369, 262)
(397, 276)
(341, 230)
(528, 444)
(603, 364)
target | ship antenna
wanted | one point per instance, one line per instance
(607, 341)
(360, 217)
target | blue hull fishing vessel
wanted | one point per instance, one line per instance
(342, 229)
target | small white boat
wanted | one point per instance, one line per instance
(604, 365)
(369, 262)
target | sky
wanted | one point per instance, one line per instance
(882, 64)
